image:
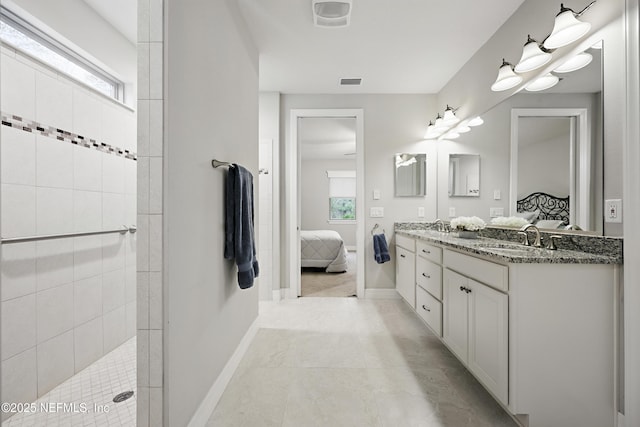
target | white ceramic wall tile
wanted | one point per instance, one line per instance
(18, 156)
(35, 65)
(87, 257)
(130, 284)
(113, 177)
(112, 125)
(53, 102)
(143, 20)
(18, 210)
(130, 248)
(129, 131)
(155, 300)
(87, 169)
(143, 128)
(18, 88)
(113, 285)
(54, 211)
(86, 115)
(130, 176)
(87, 210)
(54, 263)
(54, 311)
(54, 163)
(114, 328)
(55, 361)
(143, 358)
(18, 325)
(143, 190)
(142, 299)
(155, 70)
(130, 323)
(113, 214)
(155, 358)
(142, 248)
(155, 185)
(18, 270)
(142, 413)
(155, 406)
(87, 300)
(155, 243)
(143, 70)
(87, 342)
(19, 381)
(156, 127)
(130, 208)
(113, 252)
(155, 20)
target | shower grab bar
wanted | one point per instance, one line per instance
(125, 229)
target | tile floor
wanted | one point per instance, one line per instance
(349, 362)
(96, 385)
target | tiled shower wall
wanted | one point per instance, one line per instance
(65, 302)
(150, 213)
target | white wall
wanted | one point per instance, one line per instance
(392, 124)
(65, 302)
(315, 197)
(212, 112)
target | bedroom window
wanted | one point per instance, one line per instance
(342, 196)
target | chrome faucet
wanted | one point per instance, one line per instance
(439, 225)
(523, 231)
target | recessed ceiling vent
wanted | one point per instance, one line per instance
(351, 82)
(331, 13)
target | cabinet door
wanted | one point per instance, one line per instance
(405, 275)
(455, 314)
(488, 335)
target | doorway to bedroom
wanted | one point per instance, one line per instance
(328, 214)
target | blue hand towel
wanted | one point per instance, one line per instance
(380, 249)
(240, 236)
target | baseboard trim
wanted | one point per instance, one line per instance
(621, 422)
(277, 295)
(381, 294)
(351, 248)
(208, 404)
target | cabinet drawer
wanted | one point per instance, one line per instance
(406, 242)
(430, 309)
(430, 252)
(487, 272)
(429, 276)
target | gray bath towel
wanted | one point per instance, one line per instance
(240, 237)
(380, 249)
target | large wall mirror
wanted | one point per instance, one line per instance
(464, 175)
(410, 175)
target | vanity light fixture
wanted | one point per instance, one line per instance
(533, 56)
(574, 63)
(462, 128)
(450, 117)
(450, 135)
(432, 131)
(567, 28)
(440, 124)
(541, 83)
(476, 121)
(331, 13)
(506, 79)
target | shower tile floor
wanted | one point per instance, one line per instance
(351, 362)
(96, 385)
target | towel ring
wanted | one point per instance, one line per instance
(375, 227)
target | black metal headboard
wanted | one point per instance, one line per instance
(551, 207)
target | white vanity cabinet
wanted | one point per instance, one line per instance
(406, 269)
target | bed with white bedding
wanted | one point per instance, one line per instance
(323, 249)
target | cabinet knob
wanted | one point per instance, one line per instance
(462, 288)
(428, 277)
(467, 290)
(426, 251)
(424, 307)
(402, 256)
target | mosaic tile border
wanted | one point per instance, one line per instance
(31, 126)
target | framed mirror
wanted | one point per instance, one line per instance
(410, 175)
(464, 175)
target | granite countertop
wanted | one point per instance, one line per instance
(506, 251)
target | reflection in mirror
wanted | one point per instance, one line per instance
(464, 175)
(411, 176)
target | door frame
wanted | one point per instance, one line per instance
(292, 193)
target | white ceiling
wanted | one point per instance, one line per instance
(396, 46)
(327, 138)
(121, 14)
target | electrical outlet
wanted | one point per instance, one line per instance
(496, 212)
(613, 210)
(420, 212)
(452, 212)
(376, 212)
(497, 195)
(376, 194)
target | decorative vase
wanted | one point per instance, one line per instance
(466, 234)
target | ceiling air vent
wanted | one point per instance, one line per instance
(351, 82)
(331, 13)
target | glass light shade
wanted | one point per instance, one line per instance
(449, 117)
(542, 83)
(440, 124)
(574, 63)
(451, 135)
(532, 57)
(462, 129)
(476, 121)
(507, 79)
(566, 29)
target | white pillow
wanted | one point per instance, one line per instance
(549, 223)
(530, 216)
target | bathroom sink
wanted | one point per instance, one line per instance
(513, 251)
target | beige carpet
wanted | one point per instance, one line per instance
(317, 283)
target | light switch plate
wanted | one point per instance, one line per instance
(496, 212)
(420, 212)
(497, 195)
(452, 212)
(377, 212)
(376, 194)
(613, 210)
